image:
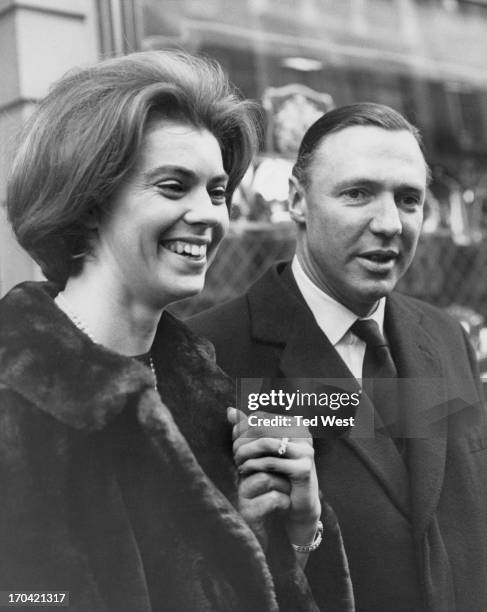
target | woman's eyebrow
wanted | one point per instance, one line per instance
(154, 173)
(219, 178)
(181, 171)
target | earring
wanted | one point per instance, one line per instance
(79, 255)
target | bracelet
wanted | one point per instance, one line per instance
(314, 544)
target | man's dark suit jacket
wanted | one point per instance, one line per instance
(415, 536)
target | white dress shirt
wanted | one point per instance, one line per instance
(335, 320)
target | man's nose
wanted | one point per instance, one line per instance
(386, 219)
(202, 210)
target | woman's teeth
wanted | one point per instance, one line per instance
(187, 249)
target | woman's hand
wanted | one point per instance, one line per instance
(272, 482)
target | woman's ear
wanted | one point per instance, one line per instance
(297, 201)
(92, 218)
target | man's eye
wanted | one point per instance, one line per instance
(218, 195)
(356, 194)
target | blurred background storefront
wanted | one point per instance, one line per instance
(425, 58)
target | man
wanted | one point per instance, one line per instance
(412, 505)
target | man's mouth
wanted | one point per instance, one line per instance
(380, 256)
(191, 250)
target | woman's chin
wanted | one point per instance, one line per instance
(190, 289)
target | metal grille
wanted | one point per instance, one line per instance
(442, 273)
(247, 251)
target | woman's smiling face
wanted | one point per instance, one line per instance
(167, 220)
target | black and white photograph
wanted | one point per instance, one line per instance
(243, 305)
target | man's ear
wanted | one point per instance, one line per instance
(297, 201)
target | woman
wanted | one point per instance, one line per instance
(115, 467)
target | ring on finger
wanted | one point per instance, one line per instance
(281, 451)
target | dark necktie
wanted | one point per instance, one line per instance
(379, 374)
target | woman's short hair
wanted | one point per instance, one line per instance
(84, 138)
(361, 113)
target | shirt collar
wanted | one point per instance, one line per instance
(333, 318)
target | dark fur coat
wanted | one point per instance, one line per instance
(108, 492)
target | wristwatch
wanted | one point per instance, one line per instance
(307, 548)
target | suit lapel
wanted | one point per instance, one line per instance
(308, 352)
(423, 394)
(281, 316)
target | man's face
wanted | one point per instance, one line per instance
(361, 215)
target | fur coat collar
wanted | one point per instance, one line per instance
(49, 364)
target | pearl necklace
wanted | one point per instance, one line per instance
(64, 305)
(152, 367)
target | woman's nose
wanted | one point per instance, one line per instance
(204, 211)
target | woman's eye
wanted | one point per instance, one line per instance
(410, 200)
(171, 187)
(218, 195)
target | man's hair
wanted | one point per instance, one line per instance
(85, 138)
(362, 113)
